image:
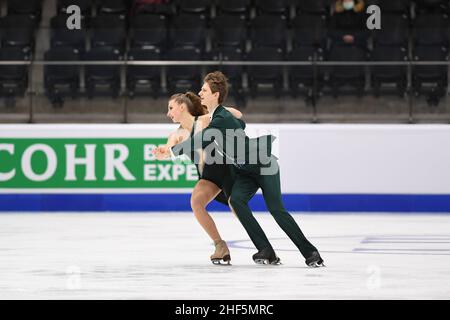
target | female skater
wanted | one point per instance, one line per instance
(187, 110)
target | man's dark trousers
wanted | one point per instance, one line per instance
(244, 189)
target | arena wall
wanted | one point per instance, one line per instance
(324, 168)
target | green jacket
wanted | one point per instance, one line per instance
(226, 140)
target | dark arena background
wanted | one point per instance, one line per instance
(355, 93)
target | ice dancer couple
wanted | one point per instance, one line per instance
(231, 167)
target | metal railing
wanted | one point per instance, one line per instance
(165, 63)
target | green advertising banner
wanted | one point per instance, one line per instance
(90, 163)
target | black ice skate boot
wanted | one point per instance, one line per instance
(266, 256)
(314, 260)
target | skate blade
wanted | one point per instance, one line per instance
(267, 262)
(226, 261)
(316, 265)
(221, 263)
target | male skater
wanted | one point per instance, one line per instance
(249, 177)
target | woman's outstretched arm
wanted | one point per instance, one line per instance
(205, 119)
(235, 112)
(161, 152)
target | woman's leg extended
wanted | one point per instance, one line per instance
(204, 192)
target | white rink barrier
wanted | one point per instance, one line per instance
(324, 168)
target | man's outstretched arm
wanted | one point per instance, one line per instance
(201, 139)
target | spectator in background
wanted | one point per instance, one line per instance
(348, 23)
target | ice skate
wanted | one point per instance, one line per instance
(221, 255)
(315, 260)
(266, 256)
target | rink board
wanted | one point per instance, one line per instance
(181, 202)
(324, 168)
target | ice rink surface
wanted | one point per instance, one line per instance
(166, 256)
